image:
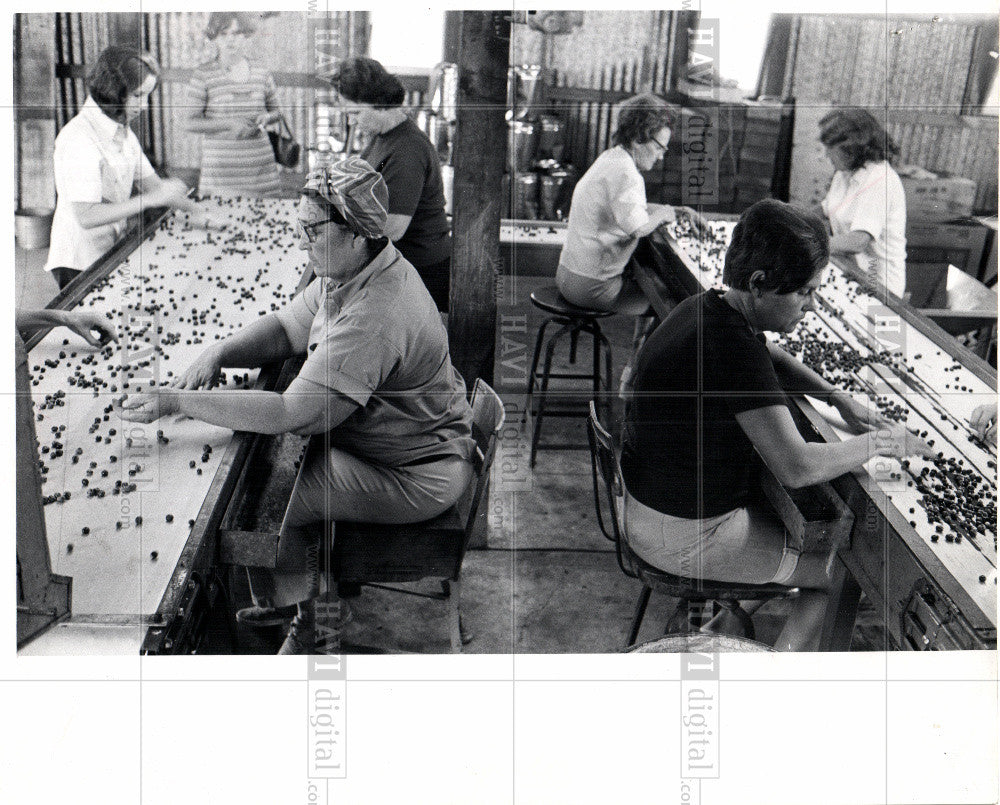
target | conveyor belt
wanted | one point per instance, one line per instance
(944, 511)
(127, 505)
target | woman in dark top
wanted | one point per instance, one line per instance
(404, 156)
(710, 390)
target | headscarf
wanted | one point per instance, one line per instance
(357, 191)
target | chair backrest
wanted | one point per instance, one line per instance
(603, 451)
(487, 421)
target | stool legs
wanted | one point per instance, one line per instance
(539, 340)
(573, 328)
(546, 374)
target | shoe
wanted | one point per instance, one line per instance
(301, 638)
(337, 616)
(259, 617)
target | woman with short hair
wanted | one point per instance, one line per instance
(99, 163)
(231, 99)
(609, 212)
(710, 390)
(408, 162)
(866, 206)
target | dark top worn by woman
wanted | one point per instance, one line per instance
(684, 452)
(411, 169)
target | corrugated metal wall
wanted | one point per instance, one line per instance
(912, 72)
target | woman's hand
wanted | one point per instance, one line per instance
(267, 118)
(661, 214)
(859, 418)
(168, 193)
(898, 441)
(202, 374)
(242, 128)
(85, 322)
(984, 422)
(147, 406)
(698, 224)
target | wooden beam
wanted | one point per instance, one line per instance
(480, 146)
(452, 35)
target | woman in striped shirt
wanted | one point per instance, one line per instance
(231, 99)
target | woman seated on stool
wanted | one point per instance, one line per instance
(98, 163)
(377, 383)
(865, 205)
(609, 212)
(707, 394)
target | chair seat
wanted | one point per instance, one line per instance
(550, 300)
(375, 552)
(704, 589)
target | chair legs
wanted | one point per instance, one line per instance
(640, 611)
(745, 620)
(457, 632)
(680, 621)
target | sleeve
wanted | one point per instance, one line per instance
(869, 213)
(628, 200)
(743, 370)
(351, 360)
(197, 94)
(404, 171)
(77, 164)
(297, 316)
(270, 94)
(143, 169)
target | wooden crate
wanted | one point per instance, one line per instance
(960, 243)
(816, 517)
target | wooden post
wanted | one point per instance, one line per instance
(452, 35)
(480, 147)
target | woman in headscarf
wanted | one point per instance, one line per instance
(377, 383)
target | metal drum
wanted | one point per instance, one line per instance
(550, 138)
(555, 194)
(526, 196)
(524, 143)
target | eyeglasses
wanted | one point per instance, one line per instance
(661, 145)
(309, 230)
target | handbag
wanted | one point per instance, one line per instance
(286, 150)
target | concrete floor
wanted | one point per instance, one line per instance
(547, 581)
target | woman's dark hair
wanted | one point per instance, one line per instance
(118, 73)
(375, 245)
(366, 81)
(640, 117)
(787, 244)
(219, 21)
(859, 135)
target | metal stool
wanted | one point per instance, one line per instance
(574, 320)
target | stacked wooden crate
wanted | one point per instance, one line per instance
(760, 154)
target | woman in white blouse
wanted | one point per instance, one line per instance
(609, 212)
(865, 205)
(99, 162)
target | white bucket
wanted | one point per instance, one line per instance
(32, 228)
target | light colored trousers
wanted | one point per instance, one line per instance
(334, 485)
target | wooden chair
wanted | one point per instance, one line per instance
(378, 555)
(690, 591)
